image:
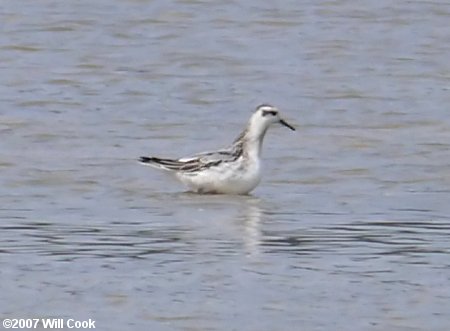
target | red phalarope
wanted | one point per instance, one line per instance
(233, 170)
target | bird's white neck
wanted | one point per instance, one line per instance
(253, 139)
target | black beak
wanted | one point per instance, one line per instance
(286, 124)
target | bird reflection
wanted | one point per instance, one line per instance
(251, 220)
(226, 222)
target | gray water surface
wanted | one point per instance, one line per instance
(350, 226)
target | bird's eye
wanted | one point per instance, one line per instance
(269, 112)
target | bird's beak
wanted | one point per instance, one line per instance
(286, 124)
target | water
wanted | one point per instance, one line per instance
(349, 229)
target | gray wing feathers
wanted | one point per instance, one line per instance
(191, 165)
(197, 162)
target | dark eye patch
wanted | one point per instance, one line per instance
(269, 112)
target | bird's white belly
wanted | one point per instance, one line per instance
(231, 178)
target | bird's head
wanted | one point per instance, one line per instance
(264, 116)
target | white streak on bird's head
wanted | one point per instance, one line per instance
(262, 118)
(259, 122)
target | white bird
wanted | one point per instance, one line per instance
(233, 170)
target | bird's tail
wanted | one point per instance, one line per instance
(164, 164)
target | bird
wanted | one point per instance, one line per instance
(235, 170)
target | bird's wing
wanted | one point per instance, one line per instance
(197, 162)
(206, 157)
(172, 165)
(201, 161)
(187, 164)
